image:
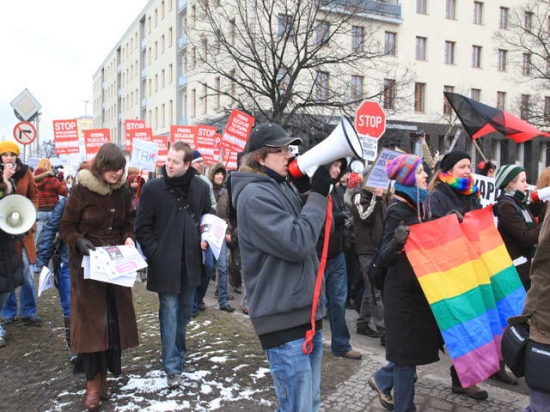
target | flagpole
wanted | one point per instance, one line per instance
(479, 150)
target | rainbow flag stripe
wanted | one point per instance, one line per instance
(471, 285)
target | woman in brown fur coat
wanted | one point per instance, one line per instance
(103, 321)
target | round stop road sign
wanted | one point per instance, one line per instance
(370, 119)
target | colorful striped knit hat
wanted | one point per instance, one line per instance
(506, 174)
(403, 169)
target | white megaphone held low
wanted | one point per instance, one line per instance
(17, 214)
(541, 195)
(342, 142)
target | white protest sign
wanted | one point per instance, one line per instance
(488, 189)
(144, 154)
(378, 177)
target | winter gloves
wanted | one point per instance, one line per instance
(84, 245)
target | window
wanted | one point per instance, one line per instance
(356, 86)
(162, 10)
(449, 52)
(475, 94)
(321, 86)
(156, 18)
(205, 50)
(156, 50)
(476, 56)
(217, 85)
(284, 26)
(502, 60)
(232, 31)
(389, 93)
(501, 100)
(478, 12)
(163, 115)
(450, 9)
(547, 109)
(170, 112)
(232, 87)
(170, 37)
(357, 38)
(149, 87)
(528, 21)
(421, 6)
(170, 73)
(162, 79)
(525, 106)
(526, 66)
(390, 43)
(193, 103)
(420, 97)
(283, 79)
(162, 44)
(321, 32)
(447, 109)
(193, 16)
(204, 99)
(194, 58)
(421, 48)
(156, 82)
(503, 21)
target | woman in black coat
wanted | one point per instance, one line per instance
(412, 335)
(516, 224)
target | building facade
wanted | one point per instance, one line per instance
(446, 45)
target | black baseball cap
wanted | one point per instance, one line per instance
(270, 135)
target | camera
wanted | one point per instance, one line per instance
(56, 169)
(417, 134)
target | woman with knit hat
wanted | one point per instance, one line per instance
(412, 334)
(516, 224)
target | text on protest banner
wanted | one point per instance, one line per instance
(65, 136)
(145, 133)
(144, 154)
(217, 145)
(132, 124)
(162, 142)
(94, 139)
(186, 134)
(206, 143)
(236, 132)
(377, 177)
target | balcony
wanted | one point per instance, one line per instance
(143, 73)
(143, 103)
(119, 68)
(119, 92)
(182, 4)
(143, 44)
(387, 11)
(182, 41)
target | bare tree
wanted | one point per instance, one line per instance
(294, 62)
(527, 37)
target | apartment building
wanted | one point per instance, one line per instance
(152, 73)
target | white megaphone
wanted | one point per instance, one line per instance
(17, 214)
(541, 195)
(342, 142)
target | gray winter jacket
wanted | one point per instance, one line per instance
(277, 238)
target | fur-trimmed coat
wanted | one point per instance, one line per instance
(102, 214)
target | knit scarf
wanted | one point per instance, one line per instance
(181, 183)
(463, 185)
(414, 195)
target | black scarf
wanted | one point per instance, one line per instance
(20, 170)
(180, 184)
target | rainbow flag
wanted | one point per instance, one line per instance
(471, 285)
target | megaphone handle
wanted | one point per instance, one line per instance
(307, 346)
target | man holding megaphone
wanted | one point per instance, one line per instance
(277, 237)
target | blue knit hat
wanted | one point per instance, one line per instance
(197, 157)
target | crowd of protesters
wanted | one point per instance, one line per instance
(270, 259)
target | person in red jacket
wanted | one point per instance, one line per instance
(49, 189)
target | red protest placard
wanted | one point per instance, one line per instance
(206, 143)
(65, 136)
(217, 145)
(94, 139)
(130, 125)
(162, 141)
(236, 132)
(185, 134)
(142, 134)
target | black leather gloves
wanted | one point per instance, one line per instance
(84, 245)
(301, 183)
(457, 213)
(321, 181)
(400, 235)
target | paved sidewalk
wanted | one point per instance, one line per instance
(433, 388)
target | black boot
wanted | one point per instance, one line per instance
(72, 355)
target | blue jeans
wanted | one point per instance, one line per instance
(27, 294)
(336, 289)
(3, 297)
(64, 288)
(539, 401)
(209, 267)
(41, 219)
(400, 378)
(297, 377)
(223, 296)
(174, 315)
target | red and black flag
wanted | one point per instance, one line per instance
(481, 120)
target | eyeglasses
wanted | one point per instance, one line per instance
(281, 150)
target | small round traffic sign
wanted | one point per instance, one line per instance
(370, 119)
(24, 132)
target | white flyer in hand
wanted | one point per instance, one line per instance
(213, 231)
(45, 281)
(113, 264)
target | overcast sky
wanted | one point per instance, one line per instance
(53, 48)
